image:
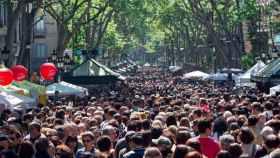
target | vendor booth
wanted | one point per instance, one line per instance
(274, 90)
(66, 89)
(91, 72)
(244, 80)
(196, 74)
(12, 100)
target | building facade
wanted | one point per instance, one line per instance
(44, 40)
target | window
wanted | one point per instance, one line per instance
(3, 15)
(40, 50)
(40, 24)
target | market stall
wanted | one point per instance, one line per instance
(195, 74)
(66, 89)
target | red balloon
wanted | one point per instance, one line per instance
(20, 72)
(48, 71)
(6, 76)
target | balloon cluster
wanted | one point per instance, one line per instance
(19, 73)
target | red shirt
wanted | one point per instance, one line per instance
(209, 147)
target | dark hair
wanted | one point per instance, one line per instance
(203, 125)
(181, 151)
(8, 154)
(195, 144)
(70, 139)
(268, 105)
(41, 144)
(182, 137)
(156, 133)
(271, 141)
(146, 124)
(147, 138)
(26, 150)
(197, 112)
(60, 114)
(194, 154)
(246, 135)
(171, 120)
(131, 125)
(104, 143)
(235, 150)
(137, 139)
(224, 154)
(252, 120)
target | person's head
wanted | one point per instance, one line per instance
(194, 154)
(111, 132)
(8, 154)
(182, 137)
(171, 120)
(181, 151)
(225, 141)
(152, 152)
(271, 142)
(204, 127)
(235, 150)
(72, 143)
(63, 151)
(26, 150)
(246, 136)
(146, 124)
(34, 129)
(136, 140)
(185, 122)
(224, 154)
(42, 145)
(156, 133)
(194, 144)
(197, 113)
(4, 141)
(252, 120)
(147, 138)
(104, 144)
(60, 114)
(88, 140)
(164, 144)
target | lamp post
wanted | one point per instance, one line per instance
(60, 66)
(67, 62)
(54, 56)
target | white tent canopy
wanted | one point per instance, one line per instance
(174, 68)
(66, 89)
(11, 100)
(147, 65)
(244, 79)
(196, 74)
(221, 76)
(252, 71)
(273, 90)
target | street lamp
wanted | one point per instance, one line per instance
(60, 66)
(67, 62)
(54, 56)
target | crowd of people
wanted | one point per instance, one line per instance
(153, 115)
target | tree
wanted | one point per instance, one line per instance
(70, 16)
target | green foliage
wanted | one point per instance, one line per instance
(247, 61)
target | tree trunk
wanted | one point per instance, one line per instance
(61, 39)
